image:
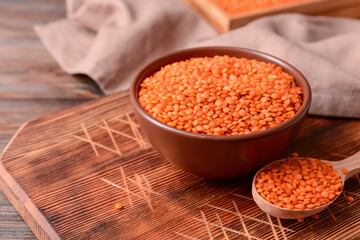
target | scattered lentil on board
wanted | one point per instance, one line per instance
(234, 7)
(299, 183)
(221, 95)
(119, 206)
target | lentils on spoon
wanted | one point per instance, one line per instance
(299, 183)
(326, 172)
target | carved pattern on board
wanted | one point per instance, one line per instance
(232, 214)
(125, 119)
(214, 223)
(138, 187)
(276, 227)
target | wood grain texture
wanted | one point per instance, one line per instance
(31, 84)
(223, 22)
(94, 156)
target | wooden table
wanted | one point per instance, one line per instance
(32, 85)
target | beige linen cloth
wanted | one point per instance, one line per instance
(110, 40)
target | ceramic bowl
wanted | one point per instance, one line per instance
(218, 157)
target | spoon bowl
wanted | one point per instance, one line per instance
(352, 164)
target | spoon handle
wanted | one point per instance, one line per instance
(352, 164)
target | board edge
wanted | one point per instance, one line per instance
(22, 203)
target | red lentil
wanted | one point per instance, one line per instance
(350, 199)
(234, 7)
(344, 171)
(299, 183)
(221, 95)
(119, 206)
(300, 219)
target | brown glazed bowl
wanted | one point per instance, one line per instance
(217, 157)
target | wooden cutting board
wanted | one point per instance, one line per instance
(64, 173)
(224, 22)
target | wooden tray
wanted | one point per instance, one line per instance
(223, 22)
(64, 173)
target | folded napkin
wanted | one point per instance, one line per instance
(110, 40)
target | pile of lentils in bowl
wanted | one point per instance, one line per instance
(221, 95)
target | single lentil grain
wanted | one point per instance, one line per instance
(300, 219)
(119, 206)
(221, 95)
(344, 171)
(350, 199)
(300, 183)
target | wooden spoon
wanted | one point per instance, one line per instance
(352, 164)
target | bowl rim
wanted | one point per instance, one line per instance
(270, 58)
